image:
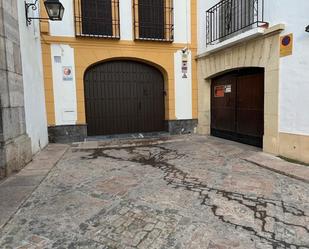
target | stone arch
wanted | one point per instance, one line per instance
(262, 53)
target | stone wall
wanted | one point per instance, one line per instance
(15, 145)
(67, 133)
(176, 127)
(78, 133)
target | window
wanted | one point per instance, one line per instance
(97, 18)
(153, 20)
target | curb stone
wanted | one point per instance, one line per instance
(275, 164)
(16, 189)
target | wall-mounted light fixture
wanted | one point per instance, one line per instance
(54, 10)
(307, 28)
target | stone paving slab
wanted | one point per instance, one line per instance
(198, 193)
(17, 188)
(280, 166)
(261, 159)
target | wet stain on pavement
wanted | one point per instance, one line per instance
(261, 208)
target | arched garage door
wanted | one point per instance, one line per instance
(124, 97)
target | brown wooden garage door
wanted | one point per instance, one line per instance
(124, 97)
(237, 106)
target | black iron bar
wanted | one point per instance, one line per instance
(231, 17)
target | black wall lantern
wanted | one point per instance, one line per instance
(54, 10)
(307, 28)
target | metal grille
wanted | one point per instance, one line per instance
(97, 18)
(153, 20)
(231, 17)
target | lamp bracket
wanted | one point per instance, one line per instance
(34, 7)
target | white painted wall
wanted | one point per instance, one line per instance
(126, 20)
(30, 45)
(294, 80)
(182, 34)
(183, 88)
(64, 91)
(182, 21)
(66, 26)
(202, 7)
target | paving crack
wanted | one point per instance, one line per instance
(159, 157)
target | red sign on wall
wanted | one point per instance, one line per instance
(219, 91)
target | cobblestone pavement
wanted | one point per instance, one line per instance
(195, 193)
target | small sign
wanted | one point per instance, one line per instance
(219, 91)
(286, 45)
(184, 69)
(67, 73)
(57, 59)
(228, 89)
(184, 76)
(184, 57)
(184, 65)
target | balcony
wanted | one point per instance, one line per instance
(97, 18)
(153, 20)
(229, 18)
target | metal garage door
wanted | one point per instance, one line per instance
(124, 97)
(237, 106)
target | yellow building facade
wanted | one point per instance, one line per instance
(171, 51)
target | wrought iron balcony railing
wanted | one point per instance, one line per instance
(153, 20)
(97, 18)
(231, 17)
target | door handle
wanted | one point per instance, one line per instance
(139, 105)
